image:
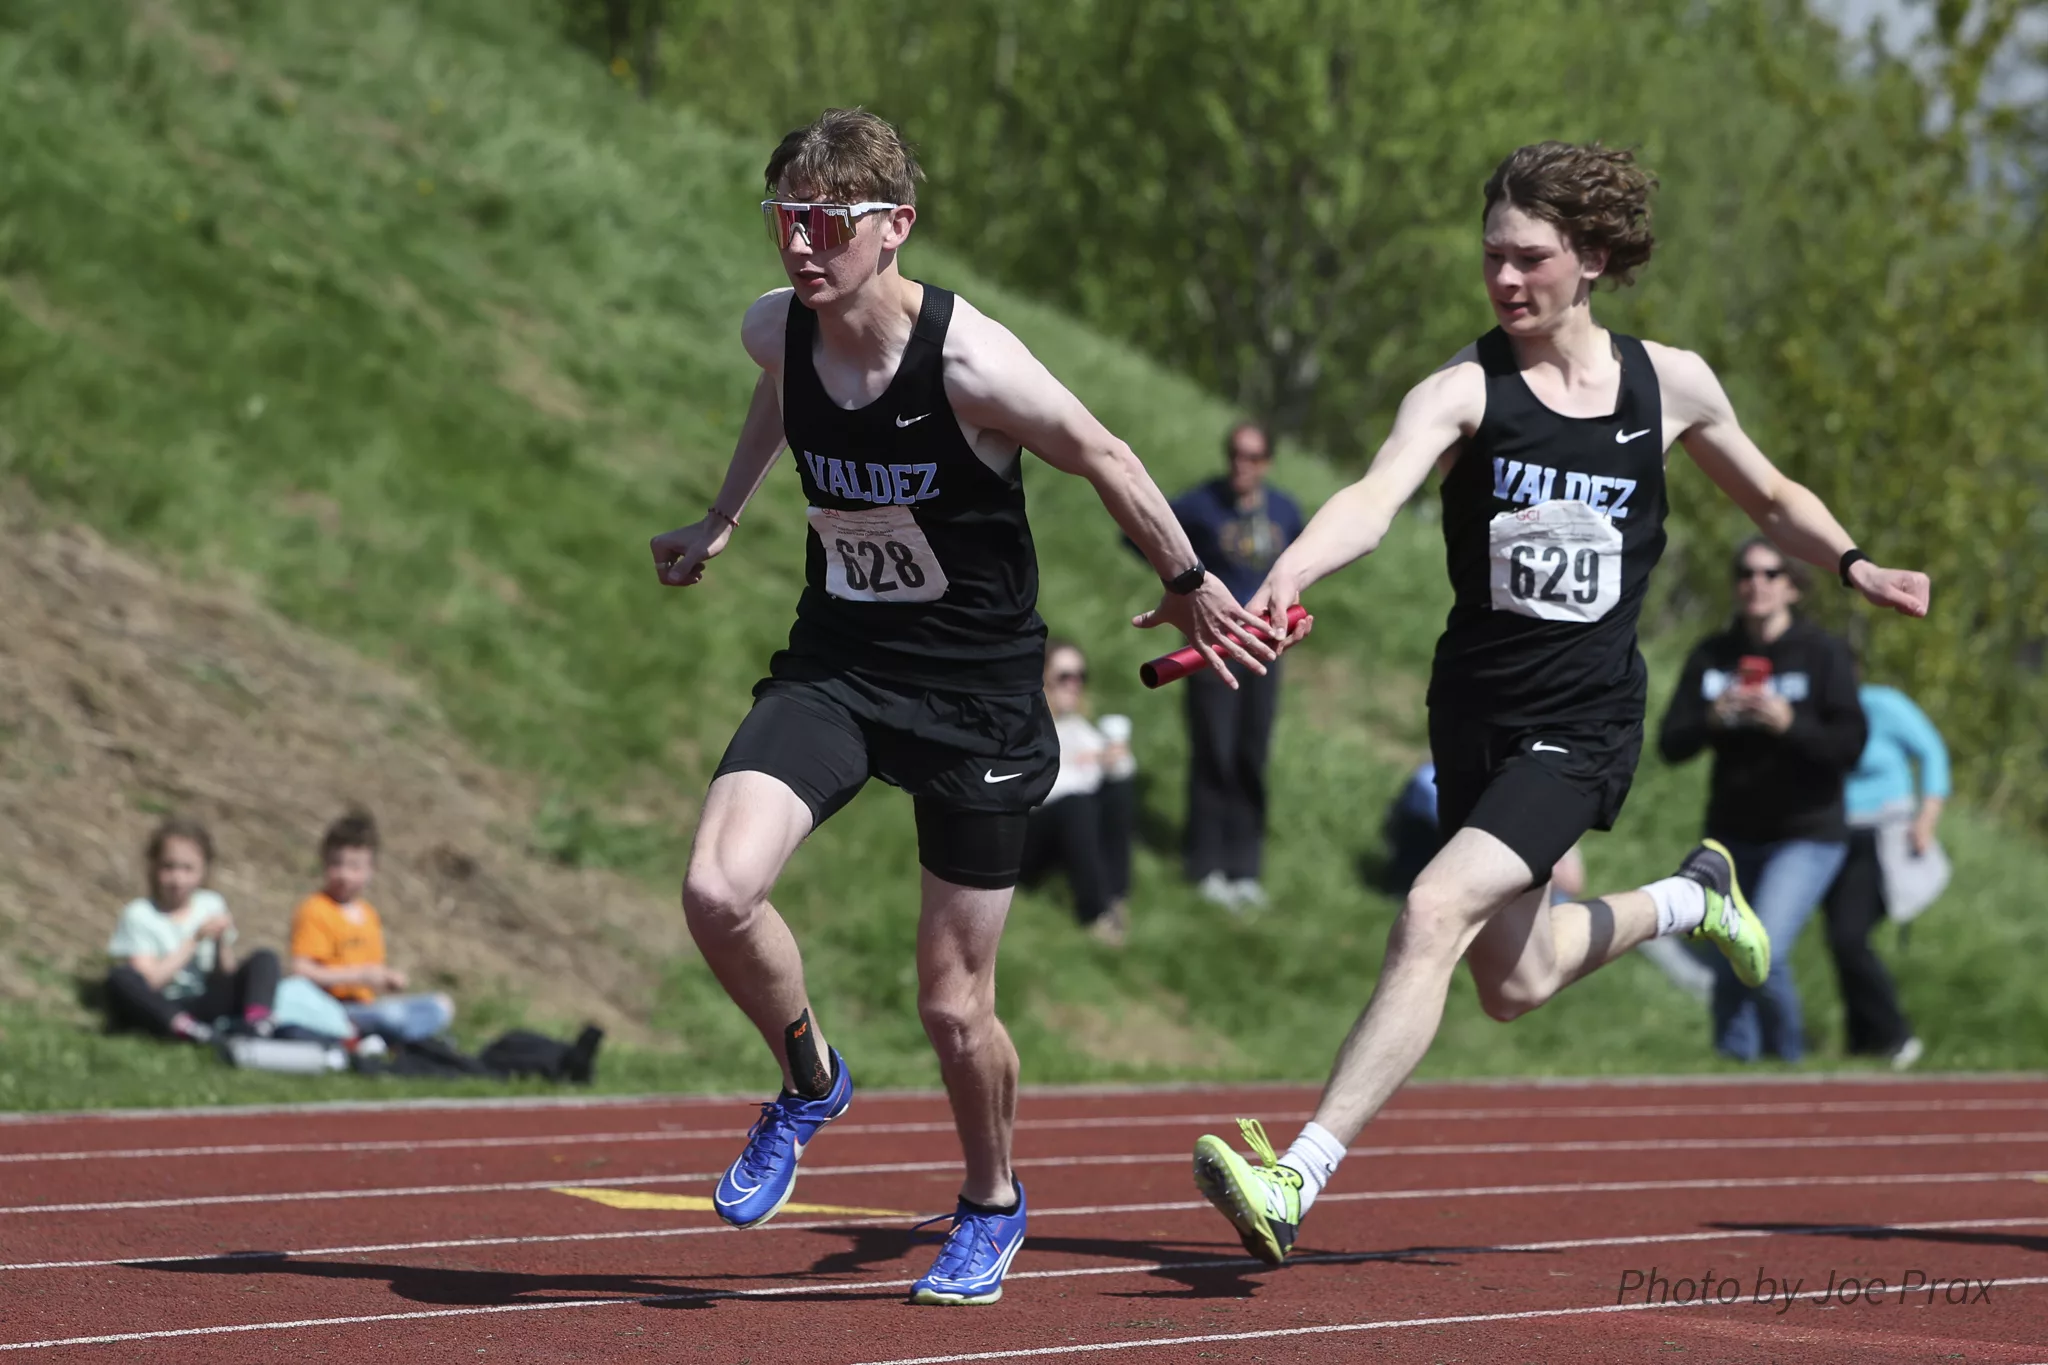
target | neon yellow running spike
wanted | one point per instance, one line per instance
(1730, 924)
(1262, 1203)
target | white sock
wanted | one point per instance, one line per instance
(1315, 1155)
(1681, 905)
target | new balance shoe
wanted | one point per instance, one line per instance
(1730, 924)
(976, 1256)
(1263, 1203)
(755, 1187)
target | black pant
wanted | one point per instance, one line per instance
(1228, 736)
(132, 1001)
(1854, 907)
(1089, 837)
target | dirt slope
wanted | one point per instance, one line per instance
(126, 694)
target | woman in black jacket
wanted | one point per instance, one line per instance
(1775, 697)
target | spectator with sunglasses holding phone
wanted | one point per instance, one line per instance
(1774, 696)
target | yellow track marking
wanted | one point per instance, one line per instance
(698, 1203)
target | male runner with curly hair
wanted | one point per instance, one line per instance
(1551, 433)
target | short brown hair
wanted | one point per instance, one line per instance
(179, 828)
(1598, 197)
(357, 829)
(847, 154)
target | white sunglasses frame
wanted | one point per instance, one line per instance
(853, 213)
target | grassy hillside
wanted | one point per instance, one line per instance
(420, 326)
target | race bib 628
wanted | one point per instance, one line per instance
(877, 554)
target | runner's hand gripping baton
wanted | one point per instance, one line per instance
(1177, 665)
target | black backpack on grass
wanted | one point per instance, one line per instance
(517, 1053)
(520, 1053)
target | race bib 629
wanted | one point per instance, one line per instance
(1558, 561)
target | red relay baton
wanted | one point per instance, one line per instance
(1177, 665)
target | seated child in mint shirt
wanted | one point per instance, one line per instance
(174, 971)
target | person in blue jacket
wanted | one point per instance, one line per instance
(1238, 525)
(1883, 793)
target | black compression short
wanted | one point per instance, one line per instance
(974, 765)
(1536, 789)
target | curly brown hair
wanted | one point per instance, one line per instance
(356, 829)
(1598, 197)
(847, 154)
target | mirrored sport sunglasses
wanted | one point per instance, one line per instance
(824, 225)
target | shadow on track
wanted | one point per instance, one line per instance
(1207, 1273)
(1872, 1232)
(1198, 1271)
(871, 1252)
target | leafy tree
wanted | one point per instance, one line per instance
(627, 34)
(1281, 197)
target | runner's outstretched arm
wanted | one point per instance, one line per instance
(1434, 417)
(1786, 511)
(679, 555)
(994, 382)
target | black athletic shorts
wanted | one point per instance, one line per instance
(974, 765)
(1537, 789)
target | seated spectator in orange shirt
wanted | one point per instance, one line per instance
(338, 941)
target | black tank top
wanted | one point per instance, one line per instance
(1551, 527)
(920, 568)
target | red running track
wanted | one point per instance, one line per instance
(1471, 1223)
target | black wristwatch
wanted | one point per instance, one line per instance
(1184, 583)
(1849, 558)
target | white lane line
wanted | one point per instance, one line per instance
(1087, 1090)
(733, 1133)
(1822, 1141)
(1168, 1206)
(1385, 1324)
(1088, 1272)
(1085, 1210)
(482, 1143)
(1650, 1111)
(1856, 1080)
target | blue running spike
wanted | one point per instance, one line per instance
(755, 1187)
(976, 1256)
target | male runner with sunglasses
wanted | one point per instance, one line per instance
(1551, 434)
(916, 657)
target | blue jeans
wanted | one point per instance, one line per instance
(1784, 882)
(405, 1018)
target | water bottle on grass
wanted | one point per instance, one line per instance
(295, 1055)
